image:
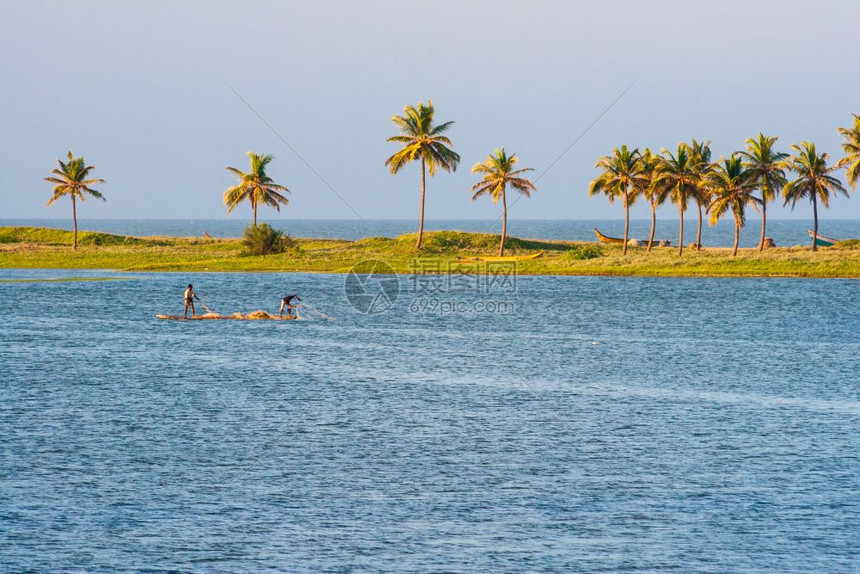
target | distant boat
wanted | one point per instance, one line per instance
(606, 239)
(822, 241)
(499, 259)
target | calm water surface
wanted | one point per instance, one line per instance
(607, 424)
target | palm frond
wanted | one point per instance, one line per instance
(70, 178)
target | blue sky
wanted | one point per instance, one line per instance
(139, 91)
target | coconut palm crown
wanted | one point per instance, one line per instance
(499, 173)
(814, 181)
(620, 178)
(422, 140)
(701, 153)
(766, 169)
(646, 186)
(255, 186)
(851, 147)
(679, 180)
(731, 188)
(71, 179)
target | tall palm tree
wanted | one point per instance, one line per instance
(701, 153)
(620, 178)
(765, 168)
(680, 181)
(499, 173)
(255, 186)
(422, 140)
(731, 188)
(814, 181)
(646, 186)
(851, 147)
(70, 178)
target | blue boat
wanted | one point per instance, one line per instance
(822, 241)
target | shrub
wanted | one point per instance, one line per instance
(580, 252)
(265, 239)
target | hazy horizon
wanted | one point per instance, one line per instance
(144, 97)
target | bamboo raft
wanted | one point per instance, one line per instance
(253, 316)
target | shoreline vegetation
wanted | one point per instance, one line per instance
(45, 248)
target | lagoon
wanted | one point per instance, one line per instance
(607, 423)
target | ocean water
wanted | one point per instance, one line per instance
(784, 232)
(594, 424)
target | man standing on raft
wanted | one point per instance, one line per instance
(287, 302)
(190, 296)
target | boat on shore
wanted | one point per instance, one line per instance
(822, 241)
(500, 258)
(620, 241)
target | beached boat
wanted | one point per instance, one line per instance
(606, 239)
(822, 241)
(255, 316)
(501, 258)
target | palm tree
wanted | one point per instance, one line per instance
(621, 178)
(814, 181)
(499, 173)
(70, 179)
(679, 180)
(731, 187)
(649, 167)
(766, 170)
(701, 153)
(851, 146)
(255, 186)
(425, 141)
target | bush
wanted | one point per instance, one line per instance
(265, 239)
(580, 252)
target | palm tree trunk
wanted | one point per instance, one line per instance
(421, 215)
(737, 234)
(699, 229)
(504, 222)
(815, 222)
(681, 232)
(626, 220)
(653, 225)
(75, 220)
(254, 207)
(763, 222)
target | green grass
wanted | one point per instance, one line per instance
(27, 247)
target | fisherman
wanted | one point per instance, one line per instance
(288, 303)
(190, 296)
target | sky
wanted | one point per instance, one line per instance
(141, 91)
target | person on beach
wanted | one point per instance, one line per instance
(190, 296)
(288, 303)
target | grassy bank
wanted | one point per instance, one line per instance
(27, 247)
